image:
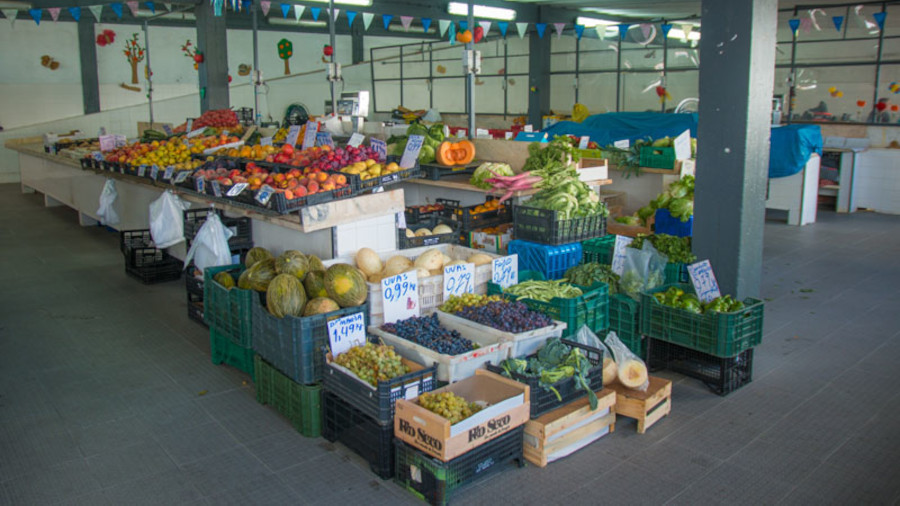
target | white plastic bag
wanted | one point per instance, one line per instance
(106, 212)
(210, 245)
(586, 337)
(632, 371)
(167, 220)
(644, 270)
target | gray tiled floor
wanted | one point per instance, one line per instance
(101, 381)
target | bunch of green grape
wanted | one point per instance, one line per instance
(449, 405)
(373, 362)
(457, 302)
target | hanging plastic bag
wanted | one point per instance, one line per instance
(632, 371)
(644, 269)
(108, 196)
(586, 337)
(210, 245)
(167, 220)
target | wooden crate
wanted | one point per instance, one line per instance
(646, 407)
(567, 425)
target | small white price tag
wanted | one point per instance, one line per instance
(200, 184)
(508, 135)
(190, 125)
(121, 140)
(356, 140)
(293, 134)
(412, 391)
(121, 168)
(682, 145)
(618, 259)
(401, 296)
(583, 142)
(264, 194)
(195, 133)
(217, 188)
(459, 279)
(309, 136)
(97, 155)
(142, 171)
(401, 220)
(324, 139)
(265, 141)
(237, 189)
(154, 172)
(380, 147)
(704, 281)
(528, 128)
(411, 153)
(622, 144)
(182, 175)
(107, 142)
(462, 133)
(482, 133)
(347, 332)
(505, 271)
(170, 171)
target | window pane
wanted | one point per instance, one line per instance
(682, 85)
(598, 54)
(489, 95)
(562, 53)
(563, 96)
(598, 92)
(683, 58)
(638, 92)
(387, 95)
(851, 51)
(450, 95)
(815, 99)
(517, 93)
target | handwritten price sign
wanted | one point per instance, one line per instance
(505, 271)
(704, 281)
(411, 153)
(380, 147)
(401, 296)
(309, 135)
(459, 279)
(618, 261)
(293, 133)
(347, 332)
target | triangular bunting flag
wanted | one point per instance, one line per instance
(443, 24)
(406, 21)
(879, 18)
(11, 14)
(463, 25)
(485, 26)
(35, 15)
(218, 7)
(315, 11)
(559, 29)
(96, 10)
(601, 31)
(794, 24)
(451, 33)
(54, 13)
(386, 19)
(335, 14)
(367, 19)
(805, 25)
(247, 4)
(426, 24)
(265, 5)
(687, 29)
(151, 6)
(133, 7)
(117, 8)
(502, 26)
(298, 11)
(838, 22)
(351, 15)
(522, 28)
(665, 27)
(75, 12)
(285, 9)
(645, 29)
(623, 29)
(168, 6)
(579, 31)
(540, 27)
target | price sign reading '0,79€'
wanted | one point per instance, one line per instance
(401, 296)
(347, 332)
(459, 279)
(505, 271)
(704, 281)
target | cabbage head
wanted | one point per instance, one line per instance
(484, 172)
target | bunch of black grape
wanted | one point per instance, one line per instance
(428, 332)
(507, 316)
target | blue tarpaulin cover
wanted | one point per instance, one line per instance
(790, 148)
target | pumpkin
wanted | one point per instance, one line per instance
(224, 278)
(315, 284)
(285, 296)
(455, 153)
(346, 285)
(255, 255)
(261, 274)
(320, 305)
(292, 262)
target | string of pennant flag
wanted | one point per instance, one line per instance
(118, 9)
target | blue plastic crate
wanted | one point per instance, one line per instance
(667, 224)
(551, 261)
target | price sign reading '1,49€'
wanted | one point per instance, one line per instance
(505, 271)
(347, 332)
(401, 296)
(459, 279)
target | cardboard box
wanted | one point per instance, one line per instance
(593, 169)
(508, 407)
(492, 243)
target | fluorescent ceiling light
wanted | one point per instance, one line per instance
(481, 11)
(592, 22)
(293, 22)
(361, 3)
(677, 33)
(412, 29)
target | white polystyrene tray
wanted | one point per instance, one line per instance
(521, 344)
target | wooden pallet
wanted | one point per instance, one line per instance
(567, 425)
(645, 407)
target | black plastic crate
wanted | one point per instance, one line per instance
(543, 400)
(145, 262)
(435, 172)
(721, 375)
(546, 226)
(361, 185)
(415, 214)
(241, 227)
(195, 308)
(437, 482)
(470, 221)
(193, 280)
(348, 426)
(428, 240)
(378, 404)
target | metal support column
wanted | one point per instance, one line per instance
(257, 116)
(470, 78)
(90, 82)
(149, 71)
(357, 50)
(538, 79)
(331, 21)
(736, 83)
(214, 69)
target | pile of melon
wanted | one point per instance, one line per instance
(429, 263)
(424, 231)
(299, 285)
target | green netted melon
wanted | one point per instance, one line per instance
(285, 296)
(292, 262)
(320, 305)
(315, 264)
(261, 274)
(315, 284)
(346, 285)
(255, 255)
(224, 278)
(244, 280)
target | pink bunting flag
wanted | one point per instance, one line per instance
(645, 29)
(806, 25)
(559, 29)
(133, 7)
(265, 5)
(406, 21)
(54, 13)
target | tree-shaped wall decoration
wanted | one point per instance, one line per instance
(285, 51)
(134, 53)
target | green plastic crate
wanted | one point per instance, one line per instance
(600, 250)
(224, 351)
(625, 320)
(301, 404)
(591, 308)
(228, 311)
(657, 158)
(719, 334)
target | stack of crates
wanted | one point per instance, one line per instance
(480, 227)
(228, 313)
(551, 261)
(144, 261)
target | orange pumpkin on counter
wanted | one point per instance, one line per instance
(455, 153)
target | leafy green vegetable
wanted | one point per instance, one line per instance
(678, 298)
(592, 272)
(544, 291)
(484, 172)
(678, 249)
(554, 362)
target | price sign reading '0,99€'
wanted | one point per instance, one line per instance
(459, 279)
(347, 332)
(401, 296)
(505, 271)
